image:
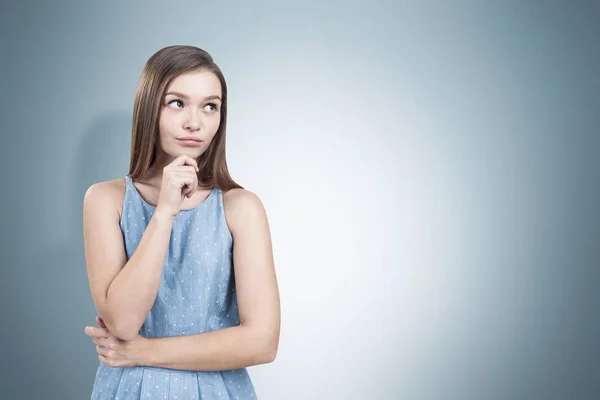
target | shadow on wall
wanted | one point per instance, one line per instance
(56, 355)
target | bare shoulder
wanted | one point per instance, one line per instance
(106, 194)
(241, 206)
(241, 200)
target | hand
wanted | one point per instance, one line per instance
(115, 352)
(179, 180)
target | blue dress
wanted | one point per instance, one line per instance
(196, 294)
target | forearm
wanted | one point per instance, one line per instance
(132, 292)
(223, 349)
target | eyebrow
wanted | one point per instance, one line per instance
(211, 97)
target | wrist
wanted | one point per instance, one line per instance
(164, 216)
(144, 352)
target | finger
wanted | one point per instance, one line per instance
(187, 183)
(103, 359)
(97, 332)
(181, 173)
(100, 332)
(191, 161)
(108, 361)
(102, 350)
(191, 189)
(104, 342)
(184, 159)
(191, 180)
(185, 175)
(185, 168)
(100, 322)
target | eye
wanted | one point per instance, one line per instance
(214, 106)
(172, 101)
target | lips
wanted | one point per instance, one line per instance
(190, 138)
(189, 141)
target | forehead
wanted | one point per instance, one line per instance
(196, 84)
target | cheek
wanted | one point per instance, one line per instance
(165, 127)
(214, 124)
(165, 120)
(214, 120)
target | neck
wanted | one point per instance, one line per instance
(161, 160)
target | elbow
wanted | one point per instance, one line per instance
(126, 335)
(126, 331)
(270, 355)
(123, 331)
(268, 349)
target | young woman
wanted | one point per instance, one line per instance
(179, 255)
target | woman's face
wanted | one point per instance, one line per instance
(190, 109)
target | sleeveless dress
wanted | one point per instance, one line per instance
(196, 294)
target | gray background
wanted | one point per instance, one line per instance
(429, 170)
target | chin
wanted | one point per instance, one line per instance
(188, 151)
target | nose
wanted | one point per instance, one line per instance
(192, 121)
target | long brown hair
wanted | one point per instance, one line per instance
(160, 69)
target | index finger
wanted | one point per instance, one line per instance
(96, 332)
(184, 159)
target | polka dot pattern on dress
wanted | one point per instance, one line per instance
(196, 294)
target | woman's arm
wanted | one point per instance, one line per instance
(123, 291)
(228, 348)
(256, 339)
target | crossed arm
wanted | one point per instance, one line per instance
(254, 341)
